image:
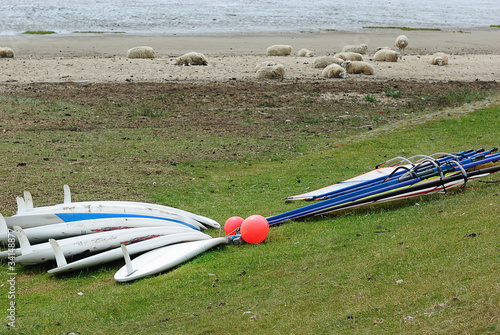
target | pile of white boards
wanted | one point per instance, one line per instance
(80, 235)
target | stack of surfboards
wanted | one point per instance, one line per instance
(96, 232)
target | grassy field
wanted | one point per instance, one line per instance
(421, 266)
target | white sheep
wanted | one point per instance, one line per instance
(439, 58)
(358, 67)
(387, 55)
(354, 56)
(279, 50)
(264, 63)
(305, 53)
(360, 48)
(334, 71)
(141, 52)
(276, 71)
(380, 48)
(324, 61)
(402, 43)
(191, 58)
(6, 52)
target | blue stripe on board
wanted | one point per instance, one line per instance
(72, 217)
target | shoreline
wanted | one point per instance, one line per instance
(101, 58)
(480, 41)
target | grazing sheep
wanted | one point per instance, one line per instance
(141, 52)
(324, 61)
(358, 67)
(279, 50)
(6, 52)
(264, 63)
(334, 71)
(349, 56)
(402, 43)
(439, 58)
(305, 53)
(271, 72)
(360, 48)
(191, 58)
(386, 55)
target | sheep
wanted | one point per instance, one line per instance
(380, 48)
(402, 43)
(386, 55)
(334, 71)
(264, 63)
(305, 53)
(349, 56)
(279, 50)
(439, 58)
(6, 52)
(191, 58)
(360, 48)
(324, 61)
(358, 67)
(276, 71)
(141, 52)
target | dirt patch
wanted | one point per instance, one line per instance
(246, 108)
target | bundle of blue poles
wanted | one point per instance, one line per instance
(409, 177)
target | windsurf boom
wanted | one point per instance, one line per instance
(424, 169)
(383, 174)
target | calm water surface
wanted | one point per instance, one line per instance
(198, 17)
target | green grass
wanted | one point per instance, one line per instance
(495, 26)
(402, 28)
(461, 96)
(393, 93)
(370, 98)
(39, 32)
(421, 266)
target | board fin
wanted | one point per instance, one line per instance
(21, 205)
(60, 259)
(24, 243)
(67, 194)
(128, 261)
(4, 229)
(28, 200)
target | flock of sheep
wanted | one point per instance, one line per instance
(349, 61)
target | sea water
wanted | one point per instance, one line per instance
(199, 17)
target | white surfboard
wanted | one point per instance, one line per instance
(115, 254)
(43, 233)
(61, 215)
(38, 253)
(162, 259)
(25, 207)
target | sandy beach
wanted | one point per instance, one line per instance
(101, 58)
